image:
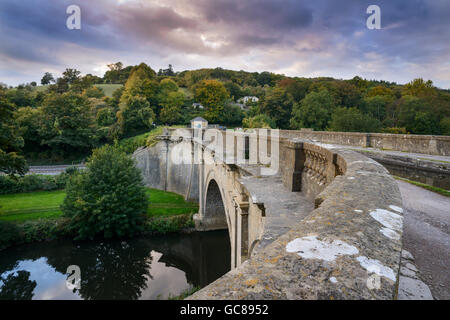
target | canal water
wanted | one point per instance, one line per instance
(143, 268)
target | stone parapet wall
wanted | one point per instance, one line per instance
(349, 247)
(435, 145)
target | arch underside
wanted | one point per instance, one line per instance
(215, 208)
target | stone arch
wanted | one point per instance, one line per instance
(215, 210)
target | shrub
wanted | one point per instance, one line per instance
(108, 198)
(169, 224)
(9, 233)
(32, 231)
(33, 182)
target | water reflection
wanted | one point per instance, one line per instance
(134, 269)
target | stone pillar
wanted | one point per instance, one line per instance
(292, 165)
(242, 255)
(367, 142)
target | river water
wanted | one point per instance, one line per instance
(143, 268)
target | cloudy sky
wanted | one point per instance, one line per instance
(294, 37)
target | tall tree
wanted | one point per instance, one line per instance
(11, 143)
(47, 78)
(314, 111)
(71, 75)
(68, 123)
(212, 95)
(277, 104)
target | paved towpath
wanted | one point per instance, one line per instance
(52, 170)
(426, 235)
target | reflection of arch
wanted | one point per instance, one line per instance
(214, 206)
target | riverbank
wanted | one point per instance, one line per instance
(36, 216)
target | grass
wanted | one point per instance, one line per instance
(29, 206)
(434, 160)
(441, 191)
(108, 89)
(23, 207)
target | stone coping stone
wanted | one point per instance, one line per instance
(347, 248)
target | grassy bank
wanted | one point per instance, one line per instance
(23, 207)
(36, 216)
(426, 186)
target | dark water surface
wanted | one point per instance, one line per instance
(144, 268)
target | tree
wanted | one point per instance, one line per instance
(135, 115)
(377, 106)
(11, 143)
(47, 79)
(105, 117)
(71, 75)
(107, 199)
(94, 92)
(277, 104)
(314, 111)
(234, 90)
(141, 83)
(17, 286)
(167, 72)
(352, 120)
(419, 88)
(68, 123)
(60, 87)
(212, 95)
(29, 121)
(171, 107)
(412, 115)
(259, 121)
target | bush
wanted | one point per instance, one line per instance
(169, 224)
(32, 231)
(353, 120)
(34, 182)
(108, 198)
(9, 233)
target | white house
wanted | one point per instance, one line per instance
(199, 123)
(246, 99)
(198, 106)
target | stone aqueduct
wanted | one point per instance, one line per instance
(326, 225)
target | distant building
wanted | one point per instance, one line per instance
(197, 106)
(199, 123)
(247, 99)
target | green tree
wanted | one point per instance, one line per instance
(71, 75)
(259, 121)
(377, 106)
(68, 124)
(135, 115)
(141, 83)
(277, 104)
(234, 90)
(212, 95)
(60, 86)
(29, 121)
(94, 92)
(11, 143)
(47, 79)
(171, 107)
(107, 199)
(352, 120)
(314, 111)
